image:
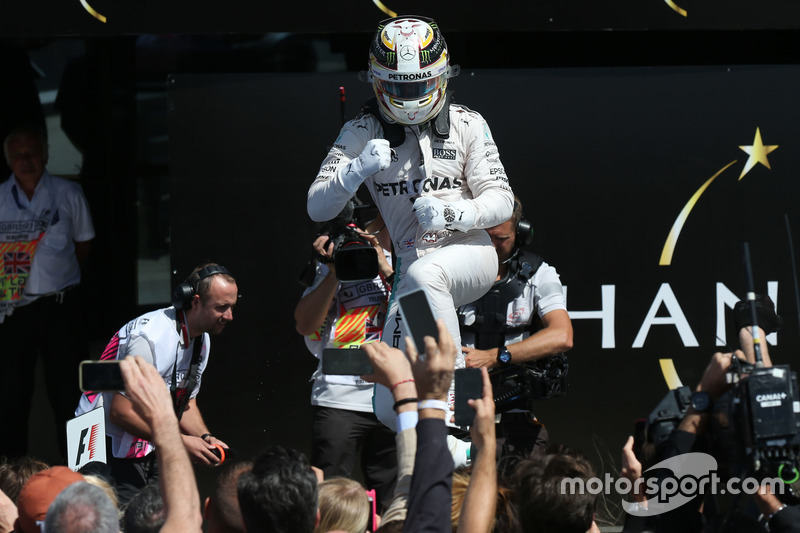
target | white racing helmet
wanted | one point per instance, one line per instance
(409, 67)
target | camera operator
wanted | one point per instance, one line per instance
(714, 382)
(689, 436)
(523, 318)
(699, 430)
(340, 314)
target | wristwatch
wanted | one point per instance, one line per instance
(503, 356)
(701, 402)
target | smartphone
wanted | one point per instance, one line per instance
(468, 385)
(345, 362)
(418, 319)
(100, 376)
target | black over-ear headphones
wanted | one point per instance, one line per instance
(184, 293)
(523, 232)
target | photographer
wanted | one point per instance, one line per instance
(689, 436)
(715, 422)
(334, 314)
(523, 318)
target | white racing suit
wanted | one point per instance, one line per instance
(454, 267)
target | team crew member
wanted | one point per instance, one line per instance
(45, 236)
(501, 328)
(176, 341)
(522, 318)
(432, 169)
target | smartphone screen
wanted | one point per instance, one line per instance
(100, 376)
(345, 362)
(468, 385)
(418, 319)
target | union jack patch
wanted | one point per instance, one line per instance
(16, 263)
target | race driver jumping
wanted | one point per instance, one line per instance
(432, 169)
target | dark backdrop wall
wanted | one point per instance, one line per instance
(604, 160)
(110, 17)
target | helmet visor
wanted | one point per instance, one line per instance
(410, 90)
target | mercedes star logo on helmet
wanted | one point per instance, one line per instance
(407, 52)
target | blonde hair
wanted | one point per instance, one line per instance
(343, 505)
(105, 485)
(460, 485)
(516, 215)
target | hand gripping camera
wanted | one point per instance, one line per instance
(517, 386)
(755, 426)
(663, 419)
(354, 258)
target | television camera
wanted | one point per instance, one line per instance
(754, 427)
(354, 257)
(517, 386)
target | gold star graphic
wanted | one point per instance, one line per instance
(758, 154)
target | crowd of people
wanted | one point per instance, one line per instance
(279, 489)
(447, 223)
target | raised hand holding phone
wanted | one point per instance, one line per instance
(468, 386)
(434, 372)
(100, 376)
(418, 319)
(345, 362)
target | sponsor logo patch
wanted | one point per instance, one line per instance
(442, 153)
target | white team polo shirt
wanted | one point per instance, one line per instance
(60, 206)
